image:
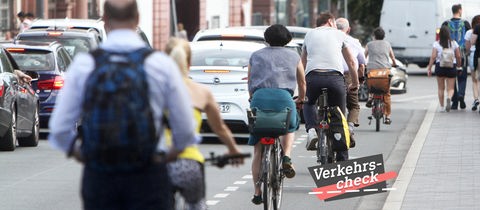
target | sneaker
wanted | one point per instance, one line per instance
(287, 167)
(387, 121)
(369, 103)
(462, 103)
(475, 105)
(449, 106)
(454, 105)
(442, 109)
(257, 199)
(312, 139)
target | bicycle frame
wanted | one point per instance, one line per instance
(271, 174)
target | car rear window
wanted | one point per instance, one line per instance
(35, 60)
(217, 57)
(73, 45)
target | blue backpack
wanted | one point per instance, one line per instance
(457, 31)
(118, 129)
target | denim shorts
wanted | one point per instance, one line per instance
(445, 72)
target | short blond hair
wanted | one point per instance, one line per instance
(179, 50)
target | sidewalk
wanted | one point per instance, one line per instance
(440, 169)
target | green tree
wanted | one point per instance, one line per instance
(364, 16)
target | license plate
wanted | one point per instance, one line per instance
(224, 108)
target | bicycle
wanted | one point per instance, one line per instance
(376, 86)
(219, 161)
(271, 174)
(325, 152)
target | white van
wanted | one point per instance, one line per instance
(411, 26)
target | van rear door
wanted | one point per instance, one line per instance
(410, 28)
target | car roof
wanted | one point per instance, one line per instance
(97, 24)
(32, 45)
(229, 34)
(234, 45)
(76, 32)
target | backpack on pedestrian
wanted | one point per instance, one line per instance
(457, 31)
(447, 56)
(118, 130)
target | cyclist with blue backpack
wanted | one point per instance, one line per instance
(120, 93)
(458, 27)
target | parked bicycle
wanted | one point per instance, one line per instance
(271, 174)
(325, 152)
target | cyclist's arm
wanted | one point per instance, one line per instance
(392, 56)
(352, 68)
(218, 126)
(248, 82)
(304, 57)
(302, 85)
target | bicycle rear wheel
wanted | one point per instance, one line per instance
(278, 176)
(322, 147)
(268, 173)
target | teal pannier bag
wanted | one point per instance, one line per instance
(269, 123)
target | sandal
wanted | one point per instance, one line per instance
(257, 199)
(387, 121)
(287, 167)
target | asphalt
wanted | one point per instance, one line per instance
(441, 166)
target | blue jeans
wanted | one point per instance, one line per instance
(336, 97)
(149, 188)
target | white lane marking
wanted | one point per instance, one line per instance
(221, 195)
(240, 182)
(415, 98)
(395, 198)
(231, 189)
(247, 176)
(212, 202)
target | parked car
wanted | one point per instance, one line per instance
(74, 40)
(398, 82)
(85, 24)
(19, 120)
(50, 60)
(222, 65)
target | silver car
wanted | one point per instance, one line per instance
(223, 67)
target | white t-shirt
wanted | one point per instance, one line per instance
(468, 36)
(324, 49)
(439, 48)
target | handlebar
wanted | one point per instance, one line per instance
(222, 160)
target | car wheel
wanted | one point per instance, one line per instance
(363, 92)
(8, 142)
(32, 140)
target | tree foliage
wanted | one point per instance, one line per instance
(364, 16)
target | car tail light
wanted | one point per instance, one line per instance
(51, 84)
(55, 33)
(15, 50)
(2, 88)
(216, 71)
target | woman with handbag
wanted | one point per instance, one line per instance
(445, 54)
(273, 73)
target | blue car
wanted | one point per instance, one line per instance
(18, 107)
(50, 60)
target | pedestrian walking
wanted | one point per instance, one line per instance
(457, 27)
(358, 53)
(378, 52)
(120, 93)
(470, 49)
(445, 56)
(273, 74)
(187, 171)
(25, 21)
(322, 53)
(476, 56)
